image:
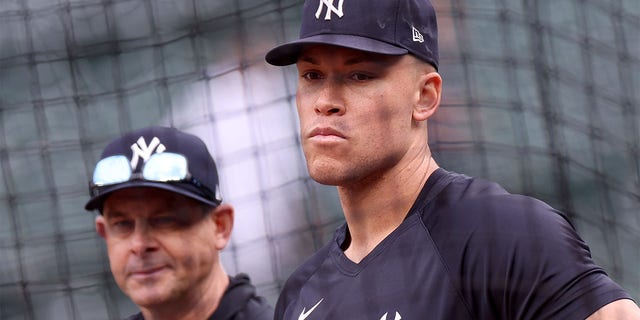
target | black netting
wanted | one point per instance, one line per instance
(542, 96)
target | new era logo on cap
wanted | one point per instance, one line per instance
(416, 35)
(393, 27)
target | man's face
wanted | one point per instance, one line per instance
(355, 112)
(161, 245)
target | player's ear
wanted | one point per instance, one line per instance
(100, 226)
(222, 217)
(430, 86)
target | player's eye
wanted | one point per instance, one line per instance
(164, 222)
(122, 226)
(359, 76)
(311, 75)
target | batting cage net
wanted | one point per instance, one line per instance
(541, 96)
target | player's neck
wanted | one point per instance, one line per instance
(373, 210)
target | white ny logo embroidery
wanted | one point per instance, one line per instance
(142, 150)
(330, 9)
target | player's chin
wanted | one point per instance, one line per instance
(143, 298)
(150, 296)
(326, 172)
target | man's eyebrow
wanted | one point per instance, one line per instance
(358, 59)
(113, 214)
(308, 59)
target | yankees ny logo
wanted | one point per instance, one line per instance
(330, 9)
(142, 150)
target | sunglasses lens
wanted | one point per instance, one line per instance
(111, 170)
(165, 167)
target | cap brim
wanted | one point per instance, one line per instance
(288, 53)
(183, 189)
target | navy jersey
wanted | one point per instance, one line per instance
(466, 250)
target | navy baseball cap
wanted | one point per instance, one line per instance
(123, 160)
(393, 27)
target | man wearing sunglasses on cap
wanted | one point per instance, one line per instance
(164, 223)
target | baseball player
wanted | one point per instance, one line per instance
(419, 242)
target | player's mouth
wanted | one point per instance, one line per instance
(147, 272)
(325, 134)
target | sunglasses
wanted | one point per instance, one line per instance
(165, 167)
